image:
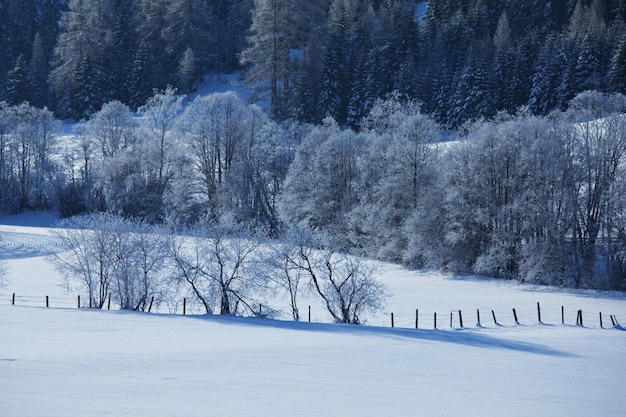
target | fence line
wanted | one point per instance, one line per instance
(455, 319)
(183, 306)
(487, 317)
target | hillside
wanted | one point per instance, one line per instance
(61, 360)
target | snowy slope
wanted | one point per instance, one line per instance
(65, 361)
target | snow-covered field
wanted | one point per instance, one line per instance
(62, 361)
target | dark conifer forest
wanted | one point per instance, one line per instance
(463, 59)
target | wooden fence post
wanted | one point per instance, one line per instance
(47, 304)
(78, 300)
(309, 314)
(580, 313)
(460, 318)
(435, 320)
(184, 306)
(478, 316)
(450, 319)
(417, 316)
(13, 300)
(602, 327)
(538, 312)
(515, 316)
(392, 324)
(562, 315)
(493, 313)
(579, 318)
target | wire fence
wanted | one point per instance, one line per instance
(488, 317)
(481, 317)
(184, 306)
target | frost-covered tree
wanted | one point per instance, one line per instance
(109, 256)
(159, 150)
(113, 128)
(28, 166)
(85, 264)
(531, 214)
(396, 169)
(220, 130)
(219, 265)
(345, 284)
(598, 158)
(319, 190)
(106, 139)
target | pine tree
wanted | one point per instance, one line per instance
(18, 86)
(81, 77)
(37, 73)
(307, 82)
(360, 98)
(229, 22)
(544, 94)
(473, 98)
(336, 76)
(139, 87)
(617, 71)
(149, 24)
(119, 63)
(267, 54)
(587, 49)
(186, 25)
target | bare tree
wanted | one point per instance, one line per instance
(345, 283)
(107, 255)
(220, 263)
(285, 270)
(85, 259)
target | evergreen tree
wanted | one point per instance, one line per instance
(18, 86)
(81, 78)
(139, 87)
(230, 21)
(150, 55)
(525, 55)
(37, 73)
(617, 71)
(544, 94)
(337, 71)
(360, 96)
(119, 64)
(268, 53)
(503, 66)
(186, 27)
(473, 98)
(307, 83)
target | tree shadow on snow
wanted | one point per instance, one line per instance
(461, 337)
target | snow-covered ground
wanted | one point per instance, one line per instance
(63, 361)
